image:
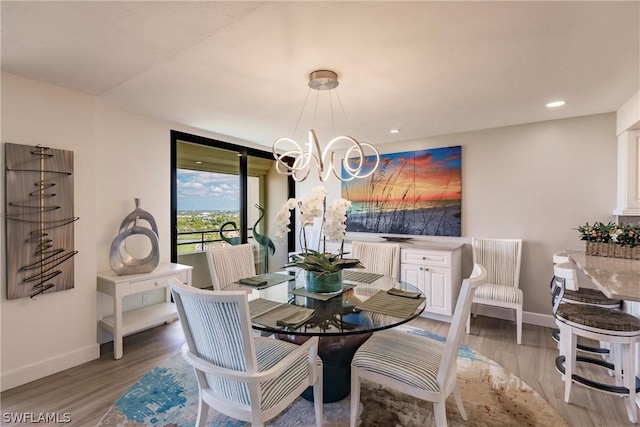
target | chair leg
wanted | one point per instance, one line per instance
(617, 352)
(569, 344)
(456, 395)
(318, 391)
(468, 327)
(519, 324)
(355, 395)
(440, 412)
(203, 413)
(629, 360)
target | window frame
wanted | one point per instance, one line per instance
(243, 156)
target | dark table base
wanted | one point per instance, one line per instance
(336, 353)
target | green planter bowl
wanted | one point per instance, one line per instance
(323, 282)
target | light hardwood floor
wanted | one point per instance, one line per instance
(87, 391)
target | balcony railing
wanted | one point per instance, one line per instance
(203, 238)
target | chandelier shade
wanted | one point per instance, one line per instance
(296, 161)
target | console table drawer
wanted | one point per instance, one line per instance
(146, 285)
(426, 257)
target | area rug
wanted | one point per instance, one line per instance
(167, 396)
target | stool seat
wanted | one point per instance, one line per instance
(591, 296)
(602, 319)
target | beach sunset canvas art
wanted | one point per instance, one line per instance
(414, 192)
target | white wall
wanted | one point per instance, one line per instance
(118, 156)
(537, 182)
(54, 331)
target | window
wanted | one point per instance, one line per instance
(216, 190)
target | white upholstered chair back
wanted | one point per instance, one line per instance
(379, 258)
(501, 258)
(419, 366)
(217, 328)
(242, 376)
(228, 264)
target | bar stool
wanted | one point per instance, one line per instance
(619, 329)
(581, 295)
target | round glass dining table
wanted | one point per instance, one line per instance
(342, 321)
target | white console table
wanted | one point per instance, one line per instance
(125, 323)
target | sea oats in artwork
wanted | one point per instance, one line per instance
(413, 192)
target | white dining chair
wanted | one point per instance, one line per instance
(501, 258)
(419, 366)
(228, 264)
(379, 258)
(240, 375)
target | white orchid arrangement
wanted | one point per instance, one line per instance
(334, 227)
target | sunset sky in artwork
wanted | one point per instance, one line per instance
(409, 177)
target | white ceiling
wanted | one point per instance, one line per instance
(240, 68)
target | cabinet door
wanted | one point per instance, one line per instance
(413, 275)
(437, 289)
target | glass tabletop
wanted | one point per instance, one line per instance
(364, 305)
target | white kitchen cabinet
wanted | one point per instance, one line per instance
(628, 203)
(437, 273)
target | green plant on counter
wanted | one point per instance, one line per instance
(621, 234)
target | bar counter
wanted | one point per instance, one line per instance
(615, 277)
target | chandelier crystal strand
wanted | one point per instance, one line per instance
(324, 160)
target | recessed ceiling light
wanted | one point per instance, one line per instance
(198, 162)
(555, 104)
(395, 131)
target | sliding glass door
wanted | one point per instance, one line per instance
(224, 194)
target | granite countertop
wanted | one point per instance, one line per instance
(616, 277)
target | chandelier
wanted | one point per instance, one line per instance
(295, 161)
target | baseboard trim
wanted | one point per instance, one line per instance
(544, 320)
(44, 368)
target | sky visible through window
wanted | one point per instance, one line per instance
(207, 191)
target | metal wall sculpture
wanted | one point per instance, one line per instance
(39, 220)
(122, 263)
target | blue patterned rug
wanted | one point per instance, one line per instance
(167, 396)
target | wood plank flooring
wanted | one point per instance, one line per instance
(87, 391)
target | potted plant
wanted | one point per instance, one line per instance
(611, 240)
(323, 269)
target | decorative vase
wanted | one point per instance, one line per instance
(323, 282)
(122, 263)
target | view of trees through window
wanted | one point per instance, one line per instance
(199, 229)
(207, 206)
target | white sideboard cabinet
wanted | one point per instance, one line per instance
(437, 273)
(118, 287)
